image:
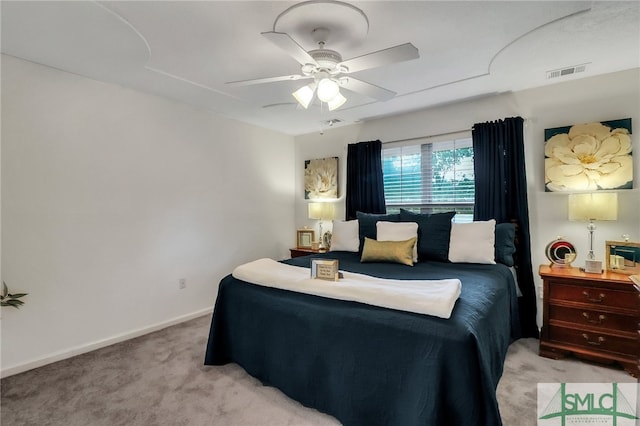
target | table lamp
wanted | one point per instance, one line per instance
(591, 207)
(321, 211)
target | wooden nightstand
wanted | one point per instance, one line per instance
(297, 252)
(638, 354)
(592, 316)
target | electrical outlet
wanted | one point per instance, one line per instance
(541, 292)
(182, 283)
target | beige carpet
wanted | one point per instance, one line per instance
(160, 379)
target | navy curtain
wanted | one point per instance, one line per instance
(501, 194)
(365, 188)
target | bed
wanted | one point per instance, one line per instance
(369, 365)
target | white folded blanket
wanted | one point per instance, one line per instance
(430, 297)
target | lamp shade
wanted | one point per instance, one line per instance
(321, 211)
(594, 206)
(337, 101)
(327, 89)
(304, 95)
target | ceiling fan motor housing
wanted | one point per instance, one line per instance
(328, 60)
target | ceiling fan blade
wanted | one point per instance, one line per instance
(289, 45)
(400, 53)
(367, 89)
(266, 80)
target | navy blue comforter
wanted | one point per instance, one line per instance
(367, 365)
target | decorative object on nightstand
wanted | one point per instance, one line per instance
(560, 253)
(321, 211)
(623, 257)
(592, 207)
(594, 317)
(326, 239)
(305, 238)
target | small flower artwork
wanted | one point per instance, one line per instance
(589, 157)
(321, 178)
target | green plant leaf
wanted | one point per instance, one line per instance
(8, 299)
(17, 295)
(15, 303)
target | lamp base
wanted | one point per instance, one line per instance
(593, 266)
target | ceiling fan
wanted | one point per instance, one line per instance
(329, 72)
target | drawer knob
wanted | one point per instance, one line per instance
(597, 320)
(598, 342)
(600, 298)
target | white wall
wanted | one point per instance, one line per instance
(601, 98)
(110, 196)
(333, 143)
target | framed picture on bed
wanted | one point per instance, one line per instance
(325, 269)
(305, 238)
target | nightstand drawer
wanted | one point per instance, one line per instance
(593, 296)
(593, 318)
(593, 340)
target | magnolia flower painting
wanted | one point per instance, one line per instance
(321, 178)
(589, 157)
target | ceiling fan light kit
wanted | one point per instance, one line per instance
(325, 66)
(327, 89)
(337, 101)
(304, 95)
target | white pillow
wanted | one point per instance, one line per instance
(398, 231)
(345, 236)
(473, 242)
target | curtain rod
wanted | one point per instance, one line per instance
(427, 137)
(525, 121)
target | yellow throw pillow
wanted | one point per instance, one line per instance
(388, 251)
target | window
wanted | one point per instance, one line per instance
(429, 176)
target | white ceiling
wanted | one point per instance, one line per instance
(187, 51)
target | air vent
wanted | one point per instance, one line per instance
(332, 122)
(566, 71)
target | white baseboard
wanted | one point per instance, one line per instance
(78, 350)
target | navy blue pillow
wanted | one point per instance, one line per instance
(434, 232)
(367, 224)
(505, 243)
